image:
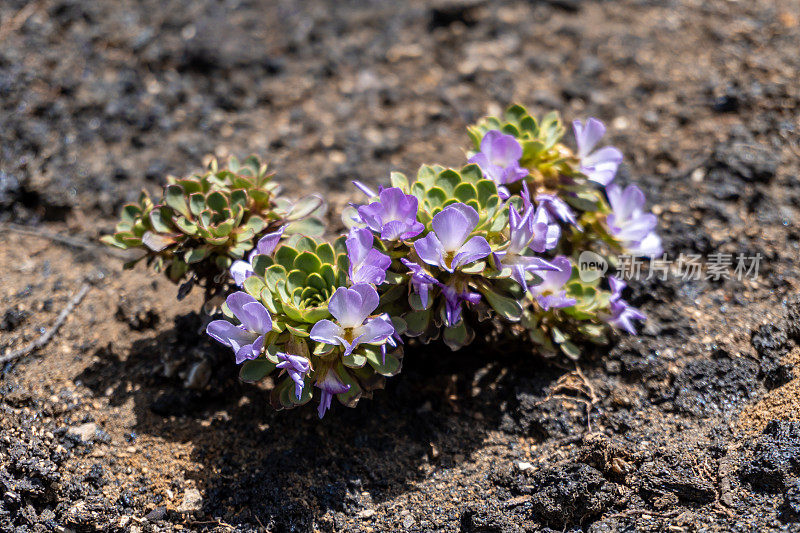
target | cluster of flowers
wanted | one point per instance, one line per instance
(430, 258)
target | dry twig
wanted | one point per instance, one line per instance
(69, 241)
(21, 17)
(50, 333)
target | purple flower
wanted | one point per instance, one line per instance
(330, 384)
(531, 230)
(297, 367)
(392, 341)
(421, 282)
(622, 314)
(394, 216)
(241, 270)
(447, 246)
(599, 166)
(499, 158)
(246, 339)
(629, 224)
(550, 292)
(453, 299)
(363, 188)
(557, 208)
(367, 265)
(351, 307)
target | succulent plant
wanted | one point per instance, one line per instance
(204, 222)
(498, 240)
(303, 288)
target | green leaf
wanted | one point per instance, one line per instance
(353, 394)
(399, 180)
(255, 370)
(570, 350)
(195, 255)
(389, 367)
(464, 192)
(508, 308)
(306, 244)
(436, 196)
(110, 240)
(418, 322)
(296, 280)
(130, 213)
(457, 337)
(176, 199)
(197, 203)
(159, 222)
(260, 264)
(186, 226)
(515, 113)
(486, 189)
(256, 224)
(308, 262)
(298, 331)
(471, 173)
(216, 201)
(447, 180)
(354, 360)
(285, 256)
(273, 275)
(317, 282)
(325, 253)
(328, 274)
(254, 285)
(304, 207)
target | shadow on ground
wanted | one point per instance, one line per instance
(281, 469)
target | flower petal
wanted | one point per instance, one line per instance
(255, 318)
(327, 332)
(250, 351)
(451, 228)
(240, 271)
(236, 301)
(375, 330)
(501, 149)
(430, 250)
(266, 244)
(345, 305)
(226, 333)
(369, 301)
(586, 137)
(474, 249)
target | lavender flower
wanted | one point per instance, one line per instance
(531, 230)
(550, 292)
(499, 158)
(351, 307)
(394, 216)
(363, 188)
(297, 367)
(367, 265)
(247, 339)
(599, 166)
(421, 282)
(629, 224)
(241, 270)
(453, 299)
(622, 314)
(330, 384)
(447, 246)
(557, 208)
